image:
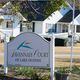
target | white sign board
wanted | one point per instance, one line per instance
(28, 49)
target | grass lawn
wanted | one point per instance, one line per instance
(65, 62)
(1, 47)
(1, 53)
(1, 59)
(67, 50)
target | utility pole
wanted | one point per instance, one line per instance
(73, 35)
(71, 4)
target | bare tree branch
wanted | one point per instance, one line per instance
(35, 9)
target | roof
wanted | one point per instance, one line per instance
(35, 10)
(68, 17)
(37, 17)
(21, 17)
(76, 20)
(57, 15)
(7, 9)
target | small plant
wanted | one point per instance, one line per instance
(46, 77)
(63, 70)
(24, 71)
(62, 74)
(31, 73)
(11, 38)
(65, 42)
(75, 70)
(35, 76)
(40, 76)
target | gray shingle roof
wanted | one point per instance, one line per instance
(68, 17)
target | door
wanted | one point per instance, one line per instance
(33, 30)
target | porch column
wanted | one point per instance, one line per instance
(44, 28)
(69, 29)
(61, 28)
(56, 28)
(75, 28)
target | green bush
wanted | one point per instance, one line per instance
(46, 77)
(24, 71)
(33, 73)
(40, 76)
(11, 38)
(35, 77)
(63, 70)
(76, 70)
(61, 42)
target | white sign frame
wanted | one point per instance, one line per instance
(51, 56)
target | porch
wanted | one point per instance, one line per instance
(67, 27)
(63, 30)
(61, 27)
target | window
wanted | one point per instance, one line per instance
(8, 24)
(78, 28)
(51, 28)
(65, 28)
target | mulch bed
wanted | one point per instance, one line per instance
(4, 77)
(10, 78)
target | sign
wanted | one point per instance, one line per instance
(28, 49)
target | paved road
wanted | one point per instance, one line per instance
(67, 55)
(67, 50)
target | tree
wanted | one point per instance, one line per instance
(41, 8)
(1, 4)
(77, 3)
(16, 7)
(53, 5)
(32, 9)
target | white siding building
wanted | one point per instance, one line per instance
(49, 24)
(10, 24)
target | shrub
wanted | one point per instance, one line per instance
(59, 42)
(63, 70)
(33, 73)
(24, 71)
(40, 76)
(76, 70)
(46, 77)
(11, 38)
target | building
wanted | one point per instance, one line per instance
(11, 24)
(49, 25)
